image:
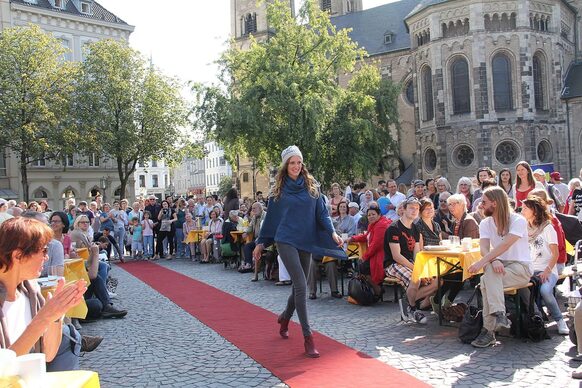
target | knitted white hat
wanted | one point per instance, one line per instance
(289, 152)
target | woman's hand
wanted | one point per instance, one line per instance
(65, 297)
(338, 240)
(257, 252)
(544, 276)
(349, 240)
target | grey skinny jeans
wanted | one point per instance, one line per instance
(297, 263)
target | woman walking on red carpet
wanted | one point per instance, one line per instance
(298, 222)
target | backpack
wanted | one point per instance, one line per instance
(361, 291)
(532, 324)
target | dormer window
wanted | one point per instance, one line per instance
(85, 8)
(59, 4)
(388, 38)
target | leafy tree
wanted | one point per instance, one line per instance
(129, 110)
(284, 91)
(36, 84)
(225, 184)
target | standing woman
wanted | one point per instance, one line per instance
(431, 190)
(506, 181)
(166, 218)
(336, 198)
(297, 221)
(465, 187)
(524, 183)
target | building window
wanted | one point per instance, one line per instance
(140, 164)
(40, 193)
(245, 177)
(502, 94)
(388, 38)
(154, 163)
(507, 152)
(422, 38)
(2, 163)
(250, 23)
(326, 5)
(427, 95)
(59, 3)
(463, 155)
(86, 8)
(222, 161)
(68, 160)
(538, 81)
(430, 160)
(155, 182)
(539, 22)
(142, 181)
(39, 162)
(409, 92)
(460, 83)
(93, 160)
(66, 45)
(544, 151)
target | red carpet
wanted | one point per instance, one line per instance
(254, 331)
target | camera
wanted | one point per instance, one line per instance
(165, 211)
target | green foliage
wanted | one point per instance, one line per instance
(284, 91)
(131, 111)
(36, 84)
(225, 184)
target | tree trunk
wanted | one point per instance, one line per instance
(122, 179)
(24, 177)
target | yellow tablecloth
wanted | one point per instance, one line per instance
(425, 263)
(237, 236)
(194, 236)
(72, 379)
(75, 270)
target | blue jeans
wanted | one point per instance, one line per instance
(547, 294)
(148, 246)
(103, 271)
(180, 246)
(120, 238)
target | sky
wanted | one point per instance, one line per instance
(183, 37)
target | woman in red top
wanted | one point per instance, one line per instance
(372, 264)
(524, 182)
(336, 199)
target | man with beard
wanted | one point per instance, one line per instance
(505, 260)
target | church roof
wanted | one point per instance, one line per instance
(573, 82)
(371, 25)
(97, 10)
(422, 5)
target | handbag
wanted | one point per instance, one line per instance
(472, 322)
(532, 324)
(361, 291)
(166, 226)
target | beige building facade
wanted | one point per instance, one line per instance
(75, 23)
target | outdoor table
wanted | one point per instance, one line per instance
(195, 236)
(428, 264)
(355, 251)
(72, 379)
(75, 270)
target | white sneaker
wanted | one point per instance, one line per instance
(112, 295)
(563, 328)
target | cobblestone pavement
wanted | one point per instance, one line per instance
(158, 343)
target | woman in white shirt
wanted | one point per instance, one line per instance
(543, 243)
(27, 321)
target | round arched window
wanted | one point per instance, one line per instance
(544, 151)
(507, 152)
(430, 160)
(40, 193)
(463, 155)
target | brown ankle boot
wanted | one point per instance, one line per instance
(310, 350)
(284, 329)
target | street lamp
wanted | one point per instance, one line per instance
(103, 185)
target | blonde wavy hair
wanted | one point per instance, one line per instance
(310, 183)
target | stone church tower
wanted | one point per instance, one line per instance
(341, 7)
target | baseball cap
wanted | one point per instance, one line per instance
(556, 176)
(539, 171)
(353, 204)
(418, 182)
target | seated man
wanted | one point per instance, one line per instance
(506, 260)
(401, 244)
